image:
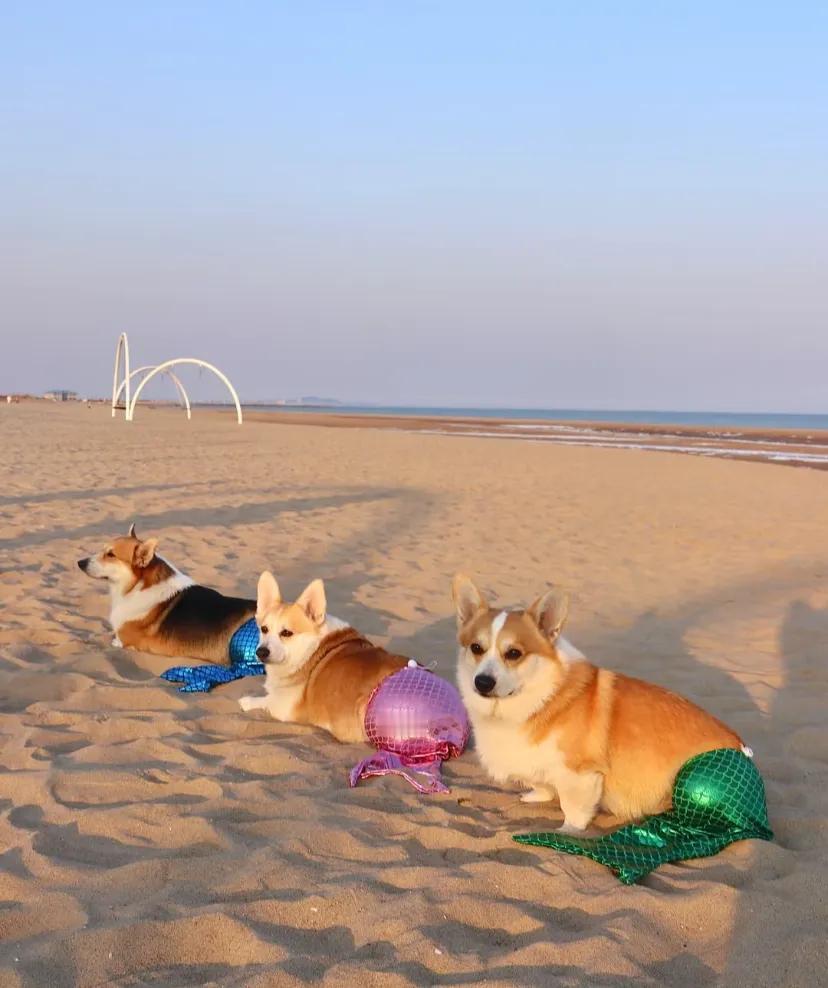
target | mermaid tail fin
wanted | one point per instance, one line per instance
(201, 679)
(718, 798)
(387, 763)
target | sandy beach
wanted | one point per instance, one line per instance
(150, 837)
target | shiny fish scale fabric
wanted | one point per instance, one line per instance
(243, 662)
(718, 798)
(417, 714)
(243, 646)
(416, 720)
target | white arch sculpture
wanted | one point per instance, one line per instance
(184, 360)
(122, 347)
(122, 386)
(182, 391)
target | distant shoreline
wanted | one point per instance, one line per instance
(800, 447)
(789, 423)
(791, 447)
(630, 417)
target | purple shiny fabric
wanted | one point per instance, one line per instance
(416, 720)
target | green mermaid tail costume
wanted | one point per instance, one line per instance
(718, 798)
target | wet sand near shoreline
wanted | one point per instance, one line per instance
(791, 447)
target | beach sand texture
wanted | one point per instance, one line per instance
(148, 837)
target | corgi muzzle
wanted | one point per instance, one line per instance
(92, 568)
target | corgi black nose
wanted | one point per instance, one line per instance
(262, 652)
(83, 563)
(484, 684)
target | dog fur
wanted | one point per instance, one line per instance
(319, 671)
(156, 608)
(546, 718)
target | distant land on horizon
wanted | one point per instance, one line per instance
(312, 400)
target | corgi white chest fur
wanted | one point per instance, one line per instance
(139, 602)
(502, 745)
(510, 757)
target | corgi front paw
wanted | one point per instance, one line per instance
(248, 703)
(540, 794)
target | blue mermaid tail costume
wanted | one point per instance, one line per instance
(243, 662)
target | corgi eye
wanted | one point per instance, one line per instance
(109, 554)
(512, 654)
(286, 633)
(477, 648)
(264, 629)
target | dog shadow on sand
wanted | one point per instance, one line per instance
(795, 751)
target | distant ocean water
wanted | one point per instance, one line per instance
(744, 420)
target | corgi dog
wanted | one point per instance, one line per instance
(318, 670)
(156, 608)
(546, 718)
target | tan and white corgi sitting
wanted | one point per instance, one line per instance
(155, 608)
(546, 718)
(318, 670)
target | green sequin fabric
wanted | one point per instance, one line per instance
(718, 798)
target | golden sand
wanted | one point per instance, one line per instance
(151, 837)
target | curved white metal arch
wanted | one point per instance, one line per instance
(182, 391)
(123, 346)
(130, 411)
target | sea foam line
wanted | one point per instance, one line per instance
(699, 449)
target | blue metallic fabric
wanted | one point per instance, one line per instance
(243, 662)
(243, 646)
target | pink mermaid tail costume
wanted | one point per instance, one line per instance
(416, 720)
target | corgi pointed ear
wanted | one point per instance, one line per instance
(468, 600)
(268, 594)
(549, 612)
(131, 533)
(144, 553)
(313, 603)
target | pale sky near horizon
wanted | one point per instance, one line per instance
(528, 204)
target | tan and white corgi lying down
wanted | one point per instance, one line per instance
(546, 718)
(155, 608)
(318, 670)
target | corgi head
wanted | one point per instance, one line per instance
(126, 561)
(507, 654)
(289, 633)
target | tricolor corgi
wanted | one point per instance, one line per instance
(318, 670)
(155, 608)
(546, 718)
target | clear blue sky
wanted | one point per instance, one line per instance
(550, 204)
